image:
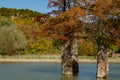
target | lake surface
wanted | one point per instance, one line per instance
(52, 71)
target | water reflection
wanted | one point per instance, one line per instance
(106, 77)
(102, 79)
(69, 77)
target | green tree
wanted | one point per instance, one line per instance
(12, 40)
(114, 48)
(41, 46)
(18, 13)
(86, 48)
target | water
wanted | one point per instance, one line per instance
(51, 71)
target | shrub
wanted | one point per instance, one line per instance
(12, 40)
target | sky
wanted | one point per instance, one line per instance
(35, 5)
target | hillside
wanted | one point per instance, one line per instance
(22, 13)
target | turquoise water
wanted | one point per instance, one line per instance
(51, 71)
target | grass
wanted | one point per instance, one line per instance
(86, 57)
(31, 57)
(47, 57)
(57, 57)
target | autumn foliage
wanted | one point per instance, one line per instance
(64, 26)
(42, 30)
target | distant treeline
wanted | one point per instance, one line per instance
(22, 13)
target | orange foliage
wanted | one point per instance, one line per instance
(40, 19)
(102, 9)
(65, 25)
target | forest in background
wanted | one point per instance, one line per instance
(20, 34)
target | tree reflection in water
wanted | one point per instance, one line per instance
(69, 77)
(75, 77)
(106, 78)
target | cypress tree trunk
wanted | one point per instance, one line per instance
(102, 62)
(69, 56)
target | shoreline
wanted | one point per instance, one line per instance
(52, 60)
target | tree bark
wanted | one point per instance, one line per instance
(102, 62)
(64, 5)
(69, 56)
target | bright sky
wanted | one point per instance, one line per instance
(36, 5)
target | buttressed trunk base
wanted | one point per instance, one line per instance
(70, 57)
(102, 63)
